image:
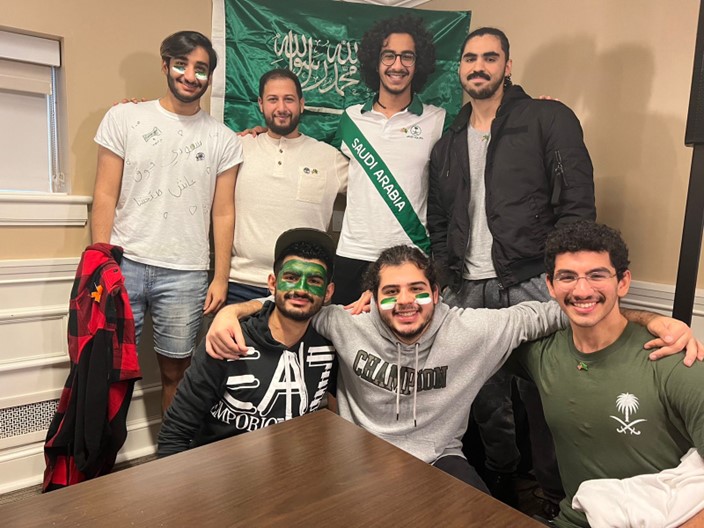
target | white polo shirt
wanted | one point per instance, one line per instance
(404, 142)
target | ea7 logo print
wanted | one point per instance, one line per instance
(627, 404)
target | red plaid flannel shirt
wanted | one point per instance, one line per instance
(89, 426)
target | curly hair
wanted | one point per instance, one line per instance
(586, 235)
(374, 38)
(396, 256)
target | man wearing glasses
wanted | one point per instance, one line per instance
(388, 141)
(613, 413)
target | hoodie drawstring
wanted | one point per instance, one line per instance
(398, 383)
(301, 364)
(287, 375)
(415, 389)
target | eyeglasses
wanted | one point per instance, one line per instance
(408, 58)
(595, 278)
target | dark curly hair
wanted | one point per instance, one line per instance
(395, 256)
(374, 38)
(585, 235)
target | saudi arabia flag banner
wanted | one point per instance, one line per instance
(318, 40)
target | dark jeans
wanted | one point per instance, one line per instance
(348, 279)
(238, 292)
(492, 409)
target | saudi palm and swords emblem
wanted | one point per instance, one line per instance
(627, 404)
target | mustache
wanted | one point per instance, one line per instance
(405, 307)
(598, 298)
(294, 295)
(478, 75)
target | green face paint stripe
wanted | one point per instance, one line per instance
(304, 272)
(423, 298)
(388, 303)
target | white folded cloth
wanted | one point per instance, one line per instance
(659, 500)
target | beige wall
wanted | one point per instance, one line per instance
(110, 51)
(624, 67)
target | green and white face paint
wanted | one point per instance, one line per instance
(424, 298)
(390, 302)
(302, 275)
(180, 69)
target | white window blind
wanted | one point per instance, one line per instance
(28, 137)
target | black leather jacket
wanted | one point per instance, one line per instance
(538, 175)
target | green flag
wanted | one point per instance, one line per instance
(318, 40)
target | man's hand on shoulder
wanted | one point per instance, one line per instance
(224, 339)
(673, 336)
(361, 305)
(254, 132)
(133, 100)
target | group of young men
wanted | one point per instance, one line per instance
(482, 198)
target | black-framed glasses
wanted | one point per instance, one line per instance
(595, 278)
(387, 58)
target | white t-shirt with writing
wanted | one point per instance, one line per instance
(171, 162)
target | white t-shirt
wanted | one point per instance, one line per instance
(171, 161)
(404, 141)
(283, 183)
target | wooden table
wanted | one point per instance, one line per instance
(316, 470)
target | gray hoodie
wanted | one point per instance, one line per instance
(426, 414)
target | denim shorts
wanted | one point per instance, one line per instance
(175, 299)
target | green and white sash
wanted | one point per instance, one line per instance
(384, 182)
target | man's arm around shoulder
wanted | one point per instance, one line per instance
(224, 339)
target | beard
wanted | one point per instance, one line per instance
(184, 98)
(282, 130)
(487, 91)
(298, 314)
(409, 334)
